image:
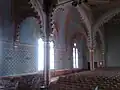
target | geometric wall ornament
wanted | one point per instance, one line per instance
(20, 61)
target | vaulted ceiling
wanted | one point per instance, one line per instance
(22, 9)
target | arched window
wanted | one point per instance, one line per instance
(41, 55)
(51, 55)
(75, 56)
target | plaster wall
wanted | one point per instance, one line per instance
(112, 33)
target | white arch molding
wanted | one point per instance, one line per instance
(88, 22)
(38, 8)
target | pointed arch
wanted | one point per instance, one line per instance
(102, 20)
(105, 18)
(37, 5)
(82, 9)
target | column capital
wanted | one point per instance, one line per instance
(91, 50)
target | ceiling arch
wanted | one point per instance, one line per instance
(102, 20)
(37, 5)
(105, 18)
(86, 18)
(77, 26)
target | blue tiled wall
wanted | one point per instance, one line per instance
(28, 29)
(24, 58)
(17, 61)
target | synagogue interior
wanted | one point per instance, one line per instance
(59, 45)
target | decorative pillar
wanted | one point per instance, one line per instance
(91, 52)
(103, 63)
(16, 36)
(91, 47)
(46, 8)
(80, 54)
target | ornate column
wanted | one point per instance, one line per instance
(91, 57)
(91, 46)
(46, 9)
(103, 62)
(80, 54)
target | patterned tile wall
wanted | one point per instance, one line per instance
(17, 61)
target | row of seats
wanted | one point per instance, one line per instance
(31, 81)
(25, 82)
(89, 80)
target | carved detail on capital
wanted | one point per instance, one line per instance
(91, 50)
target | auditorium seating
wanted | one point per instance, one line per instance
(30, 81)
(23, 82)
(105, 79)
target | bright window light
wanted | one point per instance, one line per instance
(41, 55)
(51, 55)
(75, 44)
(75, 57)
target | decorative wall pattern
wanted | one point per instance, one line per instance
(17, 61)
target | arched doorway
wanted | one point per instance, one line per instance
(41, 55)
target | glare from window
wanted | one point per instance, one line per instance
(75, 44)
(75, 56)
(41, 55)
